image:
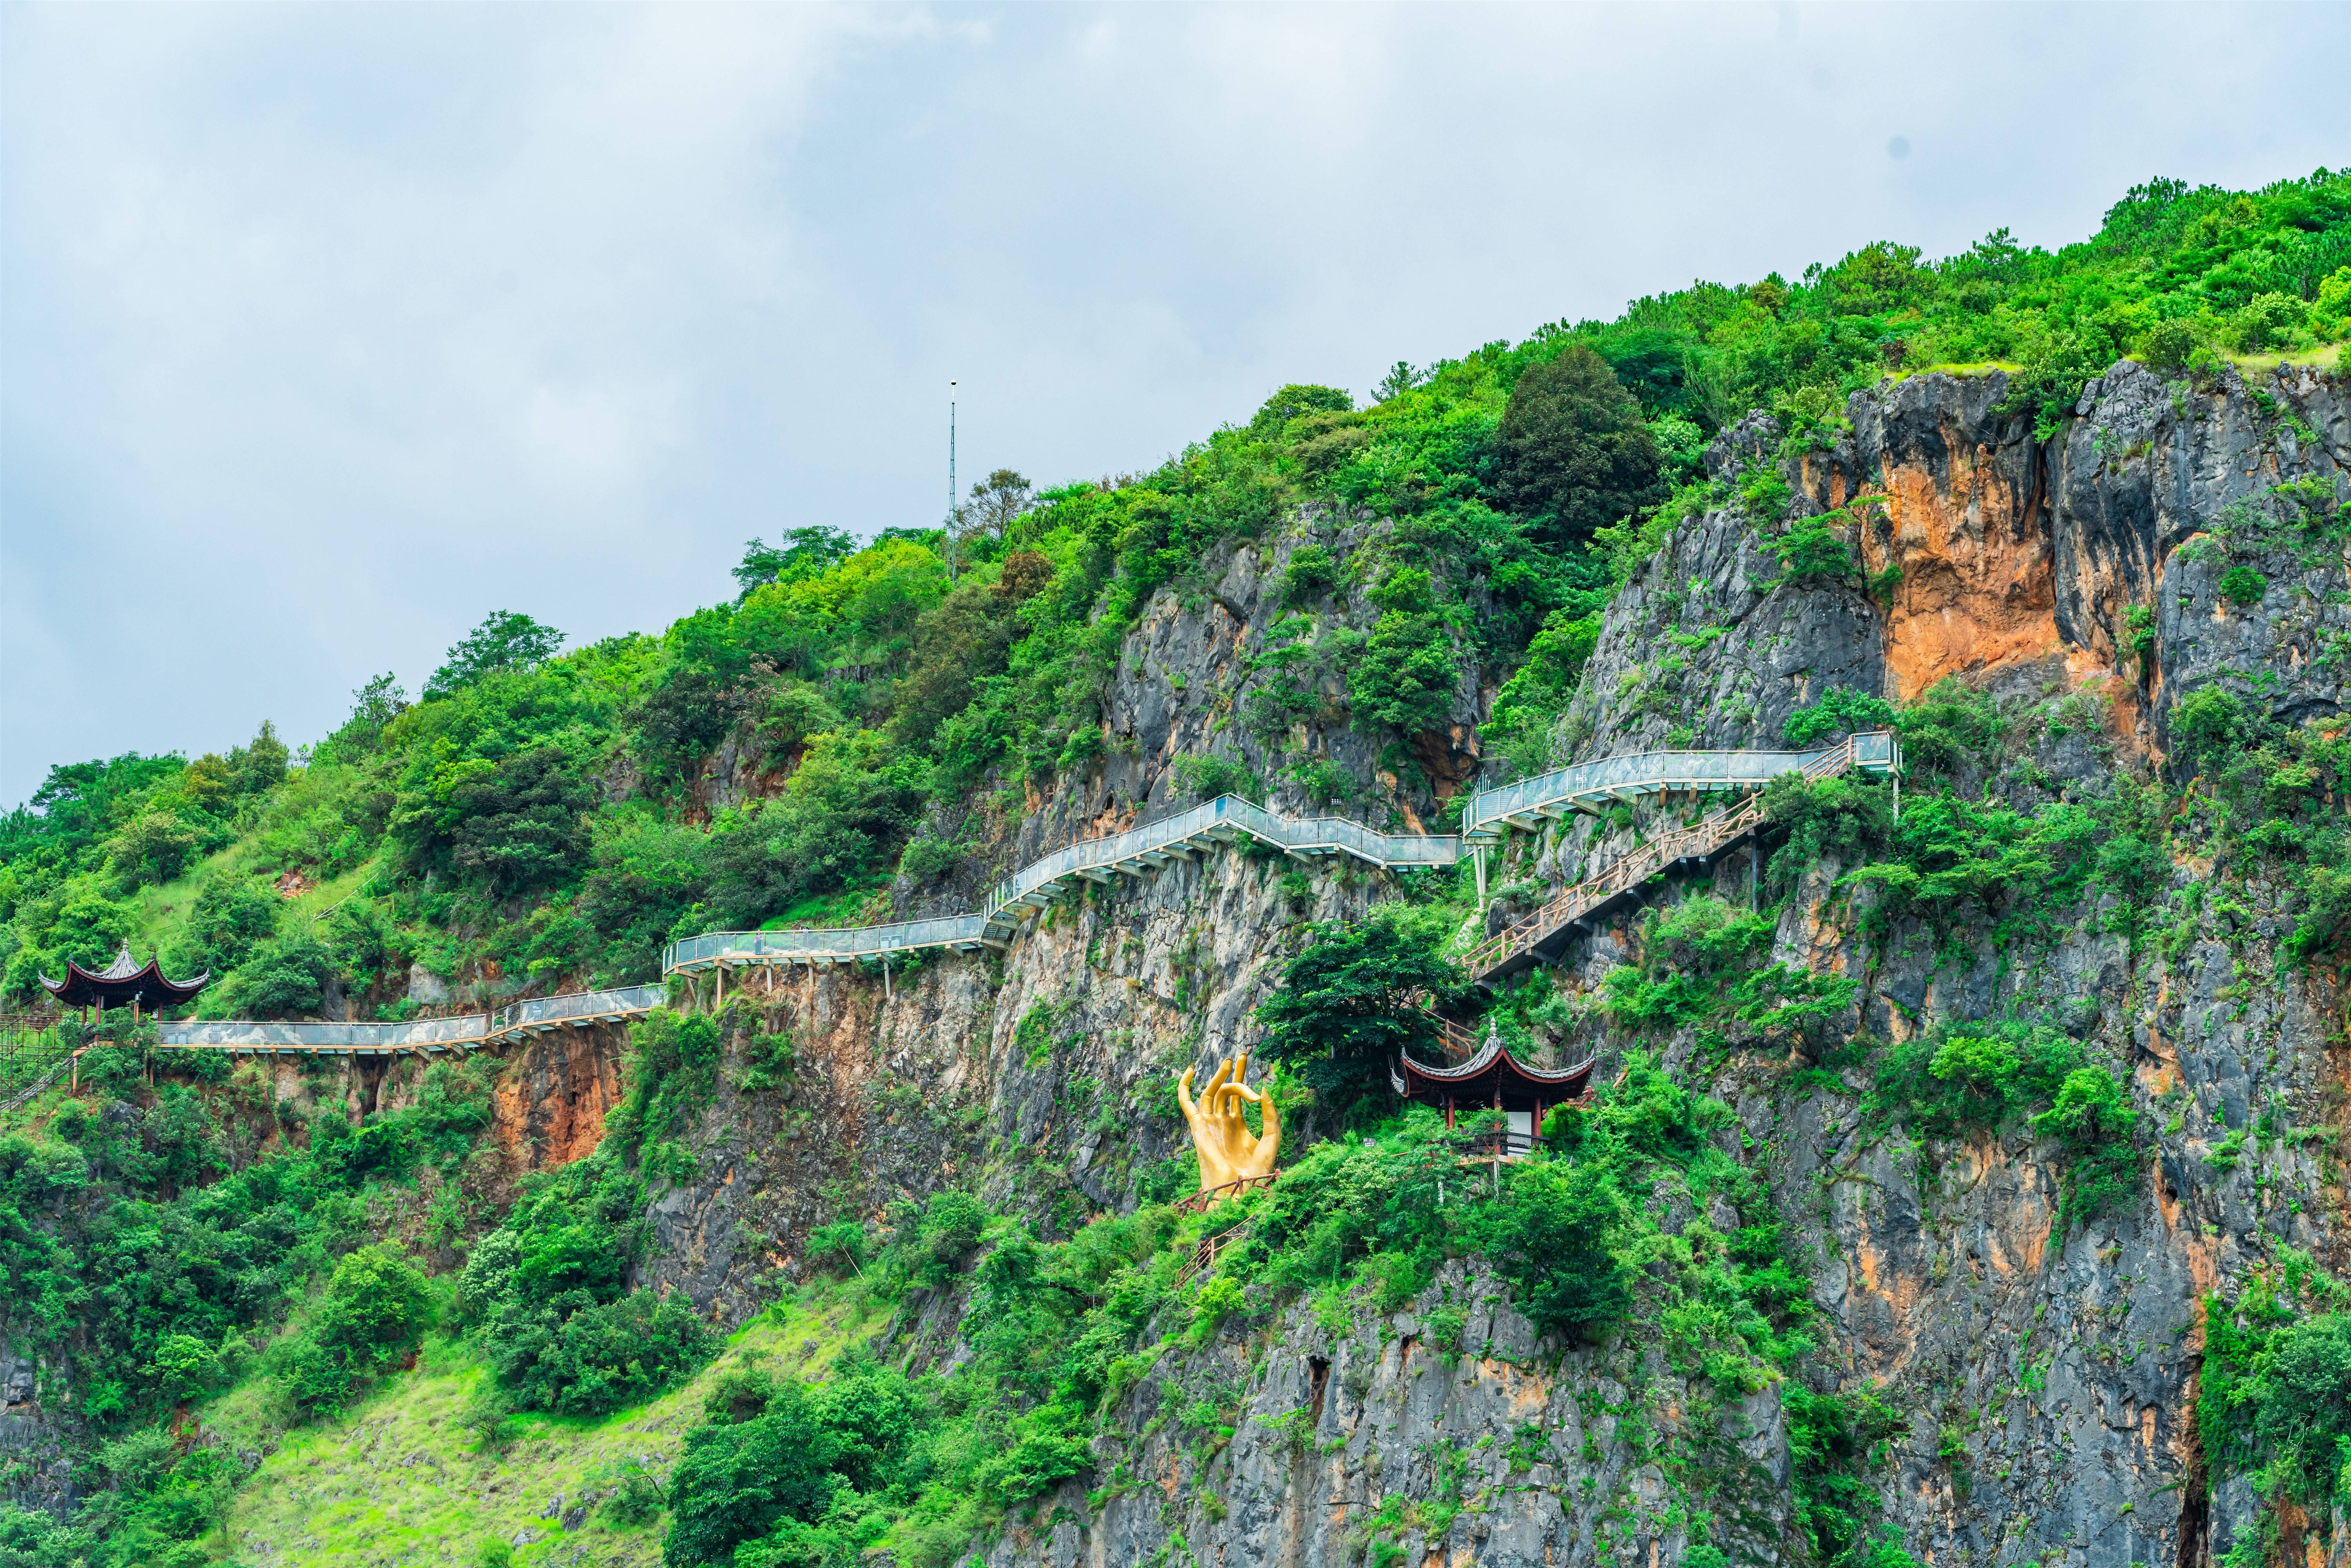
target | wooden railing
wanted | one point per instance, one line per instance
(1507, 949)
(1200, 1201)
(1204, 1257)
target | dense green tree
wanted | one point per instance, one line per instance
(520, 823)
(738, 1481)
(1296, 402)
(1346, 1007)
(508, 640)
(805, 552)
(1405, 675)
(1573, 449)
(1561, 1242)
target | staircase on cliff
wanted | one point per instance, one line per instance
(1542, 932)
(1486, 818)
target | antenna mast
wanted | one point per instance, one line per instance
(950, 540)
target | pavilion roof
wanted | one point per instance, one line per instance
(1492, 1072)
(122, 983)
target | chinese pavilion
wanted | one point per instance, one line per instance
(1494, 1080)
(123, 984)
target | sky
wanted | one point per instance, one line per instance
(328, 331)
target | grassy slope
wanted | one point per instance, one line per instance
(399, 1480)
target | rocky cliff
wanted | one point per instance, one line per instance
(2039, 1381)
(2030, 1383)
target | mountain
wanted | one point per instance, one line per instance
(1960, 1175)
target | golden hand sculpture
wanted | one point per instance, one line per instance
(1229, 1150)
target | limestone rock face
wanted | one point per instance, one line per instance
(36, 1439)
(2039, 1381)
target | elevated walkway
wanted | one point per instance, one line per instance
(1138, 852)
(1144, 851)
(467, 1031)
(1540, 935)
(1594, 787)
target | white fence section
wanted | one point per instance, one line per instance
(465, 1031)
(1593, 786)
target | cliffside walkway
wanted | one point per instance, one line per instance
(1487, 818)
(467, 1031)
(1542, 933)
(1137, 852)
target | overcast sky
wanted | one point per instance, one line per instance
(326, 330)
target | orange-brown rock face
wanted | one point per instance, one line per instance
(550, 1105)
(1979, 584)
(1951, 492)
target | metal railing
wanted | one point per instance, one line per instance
(1223, 818)
(1134, 852)
(1200, 1201)
(464, 1030)
(836, 945)
(1586, 786)
(1510, 949)
(1145, 849)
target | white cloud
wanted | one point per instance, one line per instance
(326, 330)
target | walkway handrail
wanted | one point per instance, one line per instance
(838, 942)
(1588, 786)
(26, 1095)
(1875, 751)
(1132, 852)
(465, 1029)
(1135, 851)
(1231, 814)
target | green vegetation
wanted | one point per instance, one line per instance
(2273, 1399)
(543, 815)
(163, 1239)
(870, 1459)
(1344, 1012)
(1838, 712)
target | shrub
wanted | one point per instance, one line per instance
(185, 1366)
(636, 1498)
(1813, 549)
(1406, 672)
(1206, 777)
(2167, 346)
(286, 979)
(951, 1229)
(1961, 1079)
(2299, 1396)
(1311, 573)
(1948, 726)
(228, 920)
(1560, 1240)
(377, 1306)
(154, 848)
(1690, 952)
(2243, 586)
(2208, 722)
(1839, 712)
(735, 1483)
(575, 1357)
(1848, 815)
(2092, 1118)
(1296, 402)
